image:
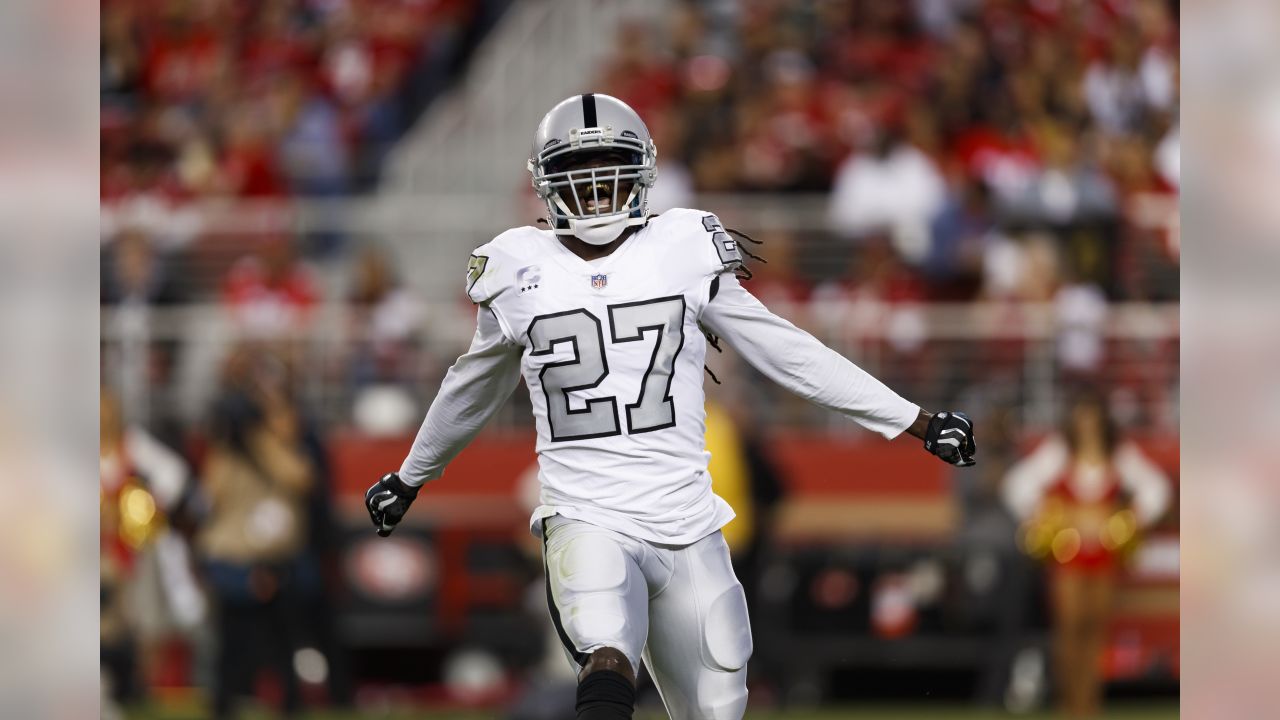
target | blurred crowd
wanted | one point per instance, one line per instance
(947, 130)
(966, 148)
(239, 98)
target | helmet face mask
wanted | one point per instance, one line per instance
(593, 178)
(593, 182)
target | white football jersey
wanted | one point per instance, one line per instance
(613, 359)
(612, 353)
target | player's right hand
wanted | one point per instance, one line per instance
(950, 437)
(387, 502)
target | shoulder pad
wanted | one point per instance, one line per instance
(713, 244)
(484, 281)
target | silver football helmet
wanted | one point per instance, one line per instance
(589, 150)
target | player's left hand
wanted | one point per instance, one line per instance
(387, 501)
(950, 437)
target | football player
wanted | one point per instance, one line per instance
(603, 313)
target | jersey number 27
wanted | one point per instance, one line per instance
(628, 322)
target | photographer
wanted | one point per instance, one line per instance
(257, 478)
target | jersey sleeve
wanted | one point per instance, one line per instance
(473, 390)
(800, 363)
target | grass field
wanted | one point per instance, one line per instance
(921, 712)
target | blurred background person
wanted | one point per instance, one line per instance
(271, 292)
(134, 272)
(384, 319)
(888, 185)
(384, 355)
(1084, 494)
(257, 478)
(136, 279)
(148, 500)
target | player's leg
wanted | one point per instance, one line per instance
(598, 601)
(699, 635)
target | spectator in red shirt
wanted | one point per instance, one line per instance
(249, 167)
(270, 294)
(183, 56)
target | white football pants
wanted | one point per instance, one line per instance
(681, 606)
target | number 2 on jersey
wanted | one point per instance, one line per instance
(628, 322)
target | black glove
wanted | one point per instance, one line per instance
(950, 437)
(387, 502)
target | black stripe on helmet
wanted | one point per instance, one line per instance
(589, 110)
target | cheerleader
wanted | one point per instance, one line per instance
(1083, 496)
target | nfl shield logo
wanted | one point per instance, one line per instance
(599, 281)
